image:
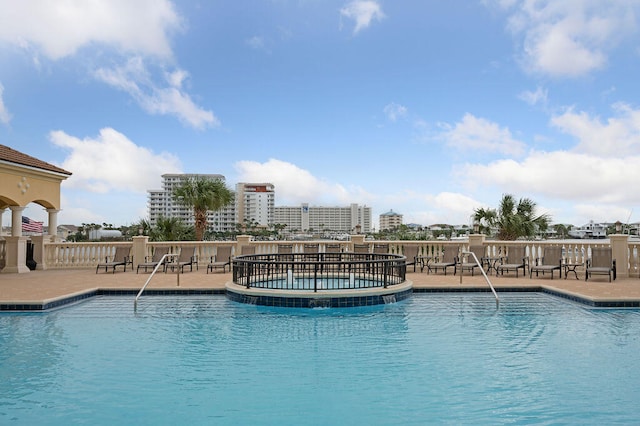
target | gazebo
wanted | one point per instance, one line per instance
(23, 180)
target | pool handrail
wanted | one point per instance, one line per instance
(483, 274)
(161, 263)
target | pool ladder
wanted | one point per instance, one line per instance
(161, 263)
(493, 290)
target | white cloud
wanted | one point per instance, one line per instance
(393, 111)
(535, 98)
(5, 117)
(362, 12)
(618, 137)
(562, 175)
(255, 42)
(133, 29)
(59, 29)
(478, 134)
(112, 162)
(569, 38)
(135, 79)
(295, 185)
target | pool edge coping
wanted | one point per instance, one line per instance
(45, 305)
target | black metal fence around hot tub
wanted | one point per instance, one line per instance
(319, 271)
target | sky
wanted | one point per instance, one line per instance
(428, 108)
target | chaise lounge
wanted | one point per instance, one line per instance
(449, 259)
(550, 261)
(120, 258)
(155, 259)
(601, 263)
(222, 259)
(516, 259)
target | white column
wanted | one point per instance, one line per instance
(16, 220)
(1, 216)
(53, 222)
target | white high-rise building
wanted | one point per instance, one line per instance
(255, 203)
(351, 219)
(162, 204)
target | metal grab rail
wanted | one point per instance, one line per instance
(493, 290)
(160, 263)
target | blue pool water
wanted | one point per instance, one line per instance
(434, 358)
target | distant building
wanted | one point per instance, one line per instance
(162, 204)
(390, 220)
(351, 219)
(255, 203)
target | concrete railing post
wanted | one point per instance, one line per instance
(620, 252)
(242, 240)
(139, 250)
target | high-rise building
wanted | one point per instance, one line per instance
(390, 220)
(303, 218)
(163, 204)
(255, 203)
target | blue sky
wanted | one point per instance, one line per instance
(429, 108)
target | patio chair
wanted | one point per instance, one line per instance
(448, 259)
(222, 259)
(155, 259)
(332, 253)
(601, 263)
(120, 258)
(187, 257)
(550, 261)
(381, 248)
(470, 263)
(247, 250)
(332, 248)
(516, 259)
(411, 252)
(286, 255)
(361, 248)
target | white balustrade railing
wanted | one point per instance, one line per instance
(87, 255)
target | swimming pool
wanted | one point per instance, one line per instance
(434, 358)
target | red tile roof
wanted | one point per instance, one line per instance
(12, 156)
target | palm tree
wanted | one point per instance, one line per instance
(513, 220)
(203, 194)
(171, 229)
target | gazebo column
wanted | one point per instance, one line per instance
(16, 220)
(1, 224)
(15, 245)
(53, 224)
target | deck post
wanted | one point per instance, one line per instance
(620, 252)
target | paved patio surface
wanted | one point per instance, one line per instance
(45, 286)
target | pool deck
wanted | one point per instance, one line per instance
(43, 287)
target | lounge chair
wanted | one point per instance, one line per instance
(550, 261)
(247, 250)
(381, 248)
(222, 259)
(155, 259)
(516, 259)
(332, 253)
(470, 263)
(120, 258)
(411, 252)
(187, 257)
(361, 248)
(601, 263)
(448, 259)
(285, 252)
